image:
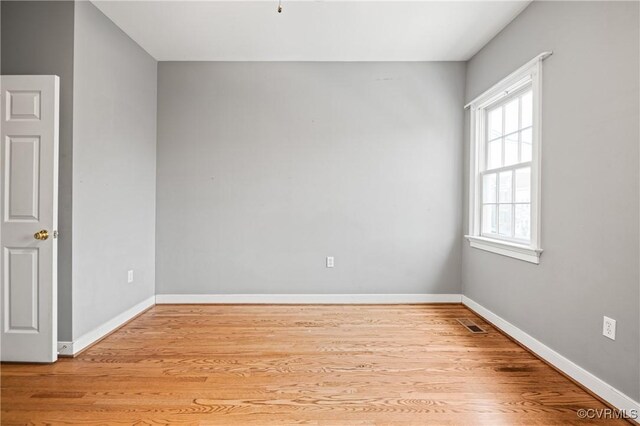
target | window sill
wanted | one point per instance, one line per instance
(505, 248)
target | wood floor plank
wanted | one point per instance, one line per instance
(296, 364)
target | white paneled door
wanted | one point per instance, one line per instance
(29, 208)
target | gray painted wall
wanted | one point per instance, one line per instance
(264, 169)
(37, 38)
(590, 187)
(114, 129)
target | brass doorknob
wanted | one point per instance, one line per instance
(41, 235)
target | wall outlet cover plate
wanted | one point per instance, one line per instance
(609, 328)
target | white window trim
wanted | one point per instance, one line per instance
(529, 73)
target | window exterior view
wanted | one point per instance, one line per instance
(506, 177)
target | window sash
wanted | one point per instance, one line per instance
(512, 168)
(484, 139)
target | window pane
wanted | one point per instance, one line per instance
(511, 116)
(523, 221)
(495, 123)
(494, 150)
(525, 147)
(489, 188)
(511, 150)
(489, 220)
(523, 185)
(504, 219)
(527, 110)
(506, 188)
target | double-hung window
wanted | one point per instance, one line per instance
(505, 166)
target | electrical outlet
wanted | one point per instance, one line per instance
(329, 261)
(130, 276)
(609, 328)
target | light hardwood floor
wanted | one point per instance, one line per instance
(285, 364)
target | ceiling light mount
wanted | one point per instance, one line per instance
(279, 6)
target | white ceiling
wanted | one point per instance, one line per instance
(311, 30)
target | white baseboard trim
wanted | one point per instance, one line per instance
(87, 339)
(599, 387)
(308, 298)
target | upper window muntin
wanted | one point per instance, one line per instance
(508, 138)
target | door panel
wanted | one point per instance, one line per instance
(23, 105)
(28, 265)
(21, 300)
(21, 173)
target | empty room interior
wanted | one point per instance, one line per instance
(320, 212)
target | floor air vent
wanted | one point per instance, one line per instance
(470, 325)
